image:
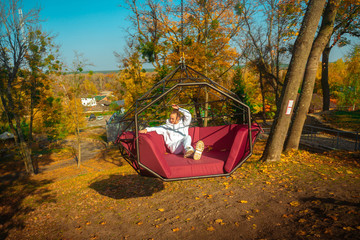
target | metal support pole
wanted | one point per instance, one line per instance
(206, 106)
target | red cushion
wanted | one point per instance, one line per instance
(225, 147)
(218, 137)
(152, 150)
(211, 163)
(238, 148)
(241, 147)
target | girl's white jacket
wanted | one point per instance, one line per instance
(174, 134)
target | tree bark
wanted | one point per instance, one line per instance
(293, 79)
(325, 77)
(319, 44)
(263, 99)
(24, 149)
(77, 133)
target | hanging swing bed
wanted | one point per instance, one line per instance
(219, 119)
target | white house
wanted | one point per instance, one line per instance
(88, 102)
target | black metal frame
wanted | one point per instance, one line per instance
(202, 81)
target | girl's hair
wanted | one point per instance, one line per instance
(177, 112)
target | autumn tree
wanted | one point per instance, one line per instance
(73, 107)
(270, 27)
(198, 32)
(132, 79)
(347, 24)
(293, 79)
(14, 43)
(204, 37)
(302, 107)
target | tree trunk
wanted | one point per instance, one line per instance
(325, 77)
(24, 149)
(32, 106)
(263, 99)
(77, 132)
(319, 44)
(293, 79)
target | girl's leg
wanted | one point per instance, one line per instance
(188, 150)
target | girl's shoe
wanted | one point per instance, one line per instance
(199, 149)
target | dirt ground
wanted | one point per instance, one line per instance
(304, 196)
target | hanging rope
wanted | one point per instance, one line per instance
(182, 54)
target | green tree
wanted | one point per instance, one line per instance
(40, 61)
(239, 89)
(350, 91)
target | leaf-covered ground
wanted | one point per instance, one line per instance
(305, 196)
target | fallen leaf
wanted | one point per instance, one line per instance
(210, 229)
(301, 233)
(218, 221)
(161, 209)
(301, 220)
(316, 202)
(248, 217)
(348, 228)
(294, 203)
(175, 229)
(242, 201)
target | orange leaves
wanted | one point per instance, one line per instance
(294, 203)
(210, 229)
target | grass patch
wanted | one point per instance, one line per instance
(349, 121)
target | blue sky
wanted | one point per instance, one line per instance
(94, 28)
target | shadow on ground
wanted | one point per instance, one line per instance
(14, 191)
(128, 186)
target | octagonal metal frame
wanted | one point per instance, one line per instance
(216, 87)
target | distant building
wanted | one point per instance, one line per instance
(120, 103)
(99, 98)
(88, 102)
